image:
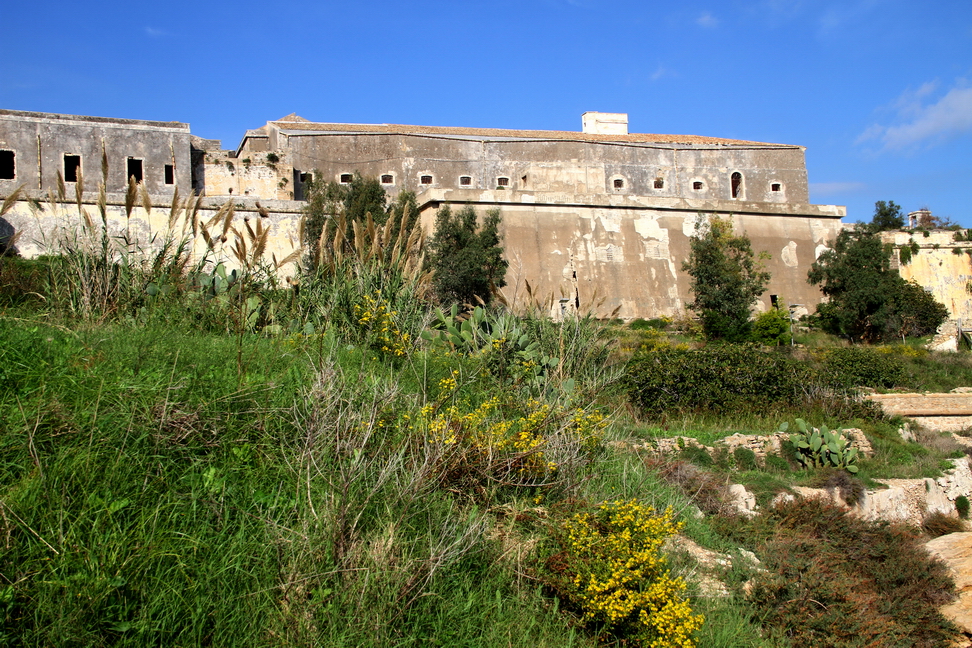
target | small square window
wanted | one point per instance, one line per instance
(169, 174)
(465, 181)
(306, 177)
(618, 183)
(135, 169)
(697, 186)
(72, 166)
(776, 186)
(388, 179)
(8, 167)
(426, 180)
(502, 182)
(659, 183)
(345, 178)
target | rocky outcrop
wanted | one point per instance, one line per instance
(955, 550)
(907, 501)
(761, 445)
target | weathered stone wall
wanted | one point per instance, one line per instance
(626, 252)
(41, 140)
(249, 175)
(577, 167)
(41, 227)
(939, 269)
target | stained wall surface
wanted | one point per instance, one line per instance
(44, 143)
(942, 265)
(624, 255)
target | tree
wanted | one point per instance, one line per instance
(327, 202)
(726, 279)
(887, 216)
(466, 261)
(868, 300)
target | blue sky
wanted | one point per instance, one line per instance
(878, 91)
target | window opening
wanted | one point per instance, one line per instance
(776, 186)
(426, 180)
(72, 165)
(135, 169)
(697, 185)
(8, 166)
(465, 181)
(618, 183)
(502, 182)
(345, 178)
(388, 179)
(736, 179)
(169, 174)
(775, 301)
(659, 183)
(306, 177)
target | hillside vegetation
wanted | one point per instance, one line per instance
(193, 456)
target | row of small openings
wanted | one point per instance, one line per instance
(659, 183)
(134, 168)
(426, 179)
(698, 185)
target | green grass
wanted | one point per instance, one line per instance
(165, 482)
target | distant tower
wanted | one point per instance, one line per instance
(919, 218)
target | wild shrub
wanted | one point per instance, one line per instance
(745, 459)
(657, 324)
(938, 524)
(962, 506)
(716, 378)
(705, 489)
(377, 328)
(772, 328)
(850, 488)
(502, 443)
(835, 580)
(860, 366)
(610, 567)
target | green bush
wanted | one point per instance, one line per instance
(696, 455)
(658, 323)
(745, 459)
(962, 506)
(772, 328)
(716, 378)
(860, 366)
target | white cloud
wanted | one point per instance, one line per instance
(924, 121)
(832, 188)
(661, 72)
(707, 20)
(155, 33)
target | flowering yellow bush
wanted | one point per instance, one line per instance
(489, 439)
(611, 567)
(377, 325)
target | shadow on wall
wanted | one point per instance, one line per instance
(7, 231)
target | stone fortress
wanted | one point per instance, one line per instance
(598, 219)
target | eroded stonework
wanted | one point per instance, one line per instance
(596, 220)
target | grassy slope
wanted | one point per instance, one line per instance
(150, 494)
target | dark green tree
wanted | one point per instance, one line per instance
(868, 300)
(887, 216)
(466, 260)
(726, 279)
(327, 202)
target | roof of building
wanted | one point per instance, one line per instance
(294, 123)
